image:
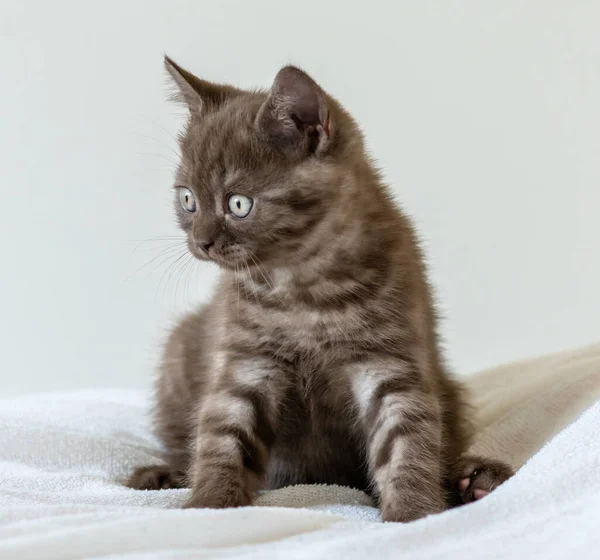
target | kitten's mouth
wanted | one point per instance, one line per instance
(205, 253)
(201, 255)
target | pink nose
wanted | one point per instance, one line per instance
(479, 493)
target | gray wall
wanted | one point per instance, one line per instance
(485, 117)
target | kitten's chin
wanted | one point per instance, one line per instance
(222, 262)
(229, 264)
(226, 262)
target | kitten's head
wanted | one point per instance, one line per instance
(261, 173)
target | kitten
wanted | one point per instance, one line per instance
(317, 359)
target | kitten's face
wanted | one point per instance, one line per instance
(251, 187)
(238, 199)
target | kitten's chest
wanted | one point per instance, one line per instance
(315, 400)
(291, 325)
(297, 332)
(311, 346)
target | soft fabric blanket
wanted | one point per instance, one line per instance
(62, 457)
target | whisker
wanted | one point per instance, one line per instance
(161, 245)
(167, 251)
(174, 255)
(194, 275)
(160, 281)
(173, 267)
(237, 283)
(178, 273)
(169, 170)
(252, 282)
(160, 126)
(193, 266)
(177, 154)
(190, 270)
(161, 156)
(156, 239)
(255, 260)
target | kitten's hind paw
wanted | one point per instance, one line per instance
(155, 477)
(474, 478)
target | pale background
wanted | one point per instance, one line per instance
(484, 116)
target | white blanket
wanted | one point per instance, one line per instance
(62, 456)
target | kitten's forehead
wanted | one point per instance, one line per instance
(227, 130)
(223, 146)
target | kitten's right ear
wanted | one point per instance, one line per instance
(196, 94)
(296, 115)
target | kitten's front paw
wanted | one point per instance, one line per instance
(405, 510)
(155, 477)
(474, 478)
(219, 494)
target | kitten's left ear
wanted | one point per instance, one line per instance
(295, 116)
(198, 95)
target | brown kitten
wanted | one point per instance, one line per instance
(317, 359)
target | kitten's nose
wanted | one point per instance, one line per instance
(204, 245)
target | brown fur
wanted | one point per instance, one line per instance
(317, 359)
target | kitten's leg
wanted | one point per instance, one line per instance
(473, 478)
(403, 438)
(236, 427)
(180, 386)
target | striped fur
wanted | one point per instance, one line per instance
(317, 358)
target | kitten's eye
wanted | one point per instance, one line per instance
(187, 200)
(240, 205)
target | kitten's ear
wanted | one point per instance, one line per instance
(295, 116)
(198, 95)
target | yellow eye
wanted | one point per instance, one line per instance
(187, 200)
(240, 205)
